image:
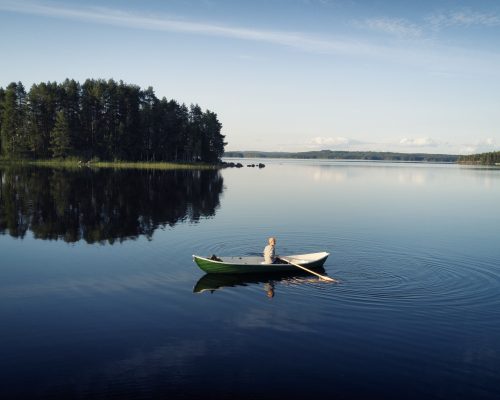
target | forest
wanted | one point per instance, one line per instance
(104, 120)
(492, 158)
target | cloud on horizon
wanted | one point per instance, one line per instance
(334, 141)
(480, 146)
(419, 142)
(405, 145)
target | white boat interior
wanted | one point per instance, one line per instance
(302, 259)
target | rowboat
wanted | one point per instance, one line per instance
(252, 264)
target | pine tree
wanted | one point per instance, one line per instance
(60, 137)
(213, 144)
(42, 106)
(2, 99)
(196, 133)
(13, 132)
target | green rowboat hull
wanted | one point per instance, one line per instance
(245, 265)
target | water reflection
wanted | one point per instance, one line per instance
(104, 205)
(339, 173)
(269, 282)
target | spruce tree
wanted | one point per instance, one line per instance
(2, 98)
(13, 131)
(60, 137)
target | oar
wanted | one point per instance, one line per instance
(326, 278)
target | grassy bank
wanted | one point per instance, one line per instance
(74, 163)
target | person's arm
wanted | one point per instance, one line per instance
(268, 255)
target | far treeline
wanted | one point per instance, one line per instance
(492, 158)
(105, 120)
(347, 155)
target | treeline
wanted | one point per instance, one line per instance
(348, 155)
(107, 120)
(492, 158)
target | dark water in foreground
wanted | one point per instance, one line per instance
(96, 283)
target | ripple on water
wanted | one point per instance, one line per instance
(375, 276)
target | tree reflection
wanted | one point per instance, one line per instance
(104, 205)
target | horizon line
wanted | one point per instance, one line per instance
(349, 151)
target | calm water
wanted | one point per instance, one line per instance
(99, 297)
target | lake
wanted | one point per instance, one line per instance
(100, 298)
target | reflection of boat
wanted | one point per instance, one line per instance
(239, 265)
(212, 282)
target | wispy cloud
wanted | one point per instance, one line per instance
(393, 26)
(115, 17)
(261, 318)
(403, 28)
(463, 17)
(433, 58)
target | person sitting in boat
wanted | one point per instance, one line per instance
(269, 255)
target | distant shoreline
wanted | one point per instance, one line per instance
(351, 160)
(489, 159)
(348, 156)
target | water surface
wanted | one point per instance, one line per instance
(99, 297)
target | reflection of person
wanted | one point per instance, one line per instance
(269, 289)
(269, 256)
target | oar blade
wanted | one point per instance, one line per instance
(326, 278)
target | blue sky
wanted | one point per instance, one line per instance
(284, 75)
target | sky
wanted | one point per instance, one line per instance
(283, 75)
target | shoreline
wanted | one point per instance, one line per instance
(353, 160)
(73, 163)
(225, 163)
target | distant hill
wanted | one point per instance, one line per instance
(347, 155)
(492, 158)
